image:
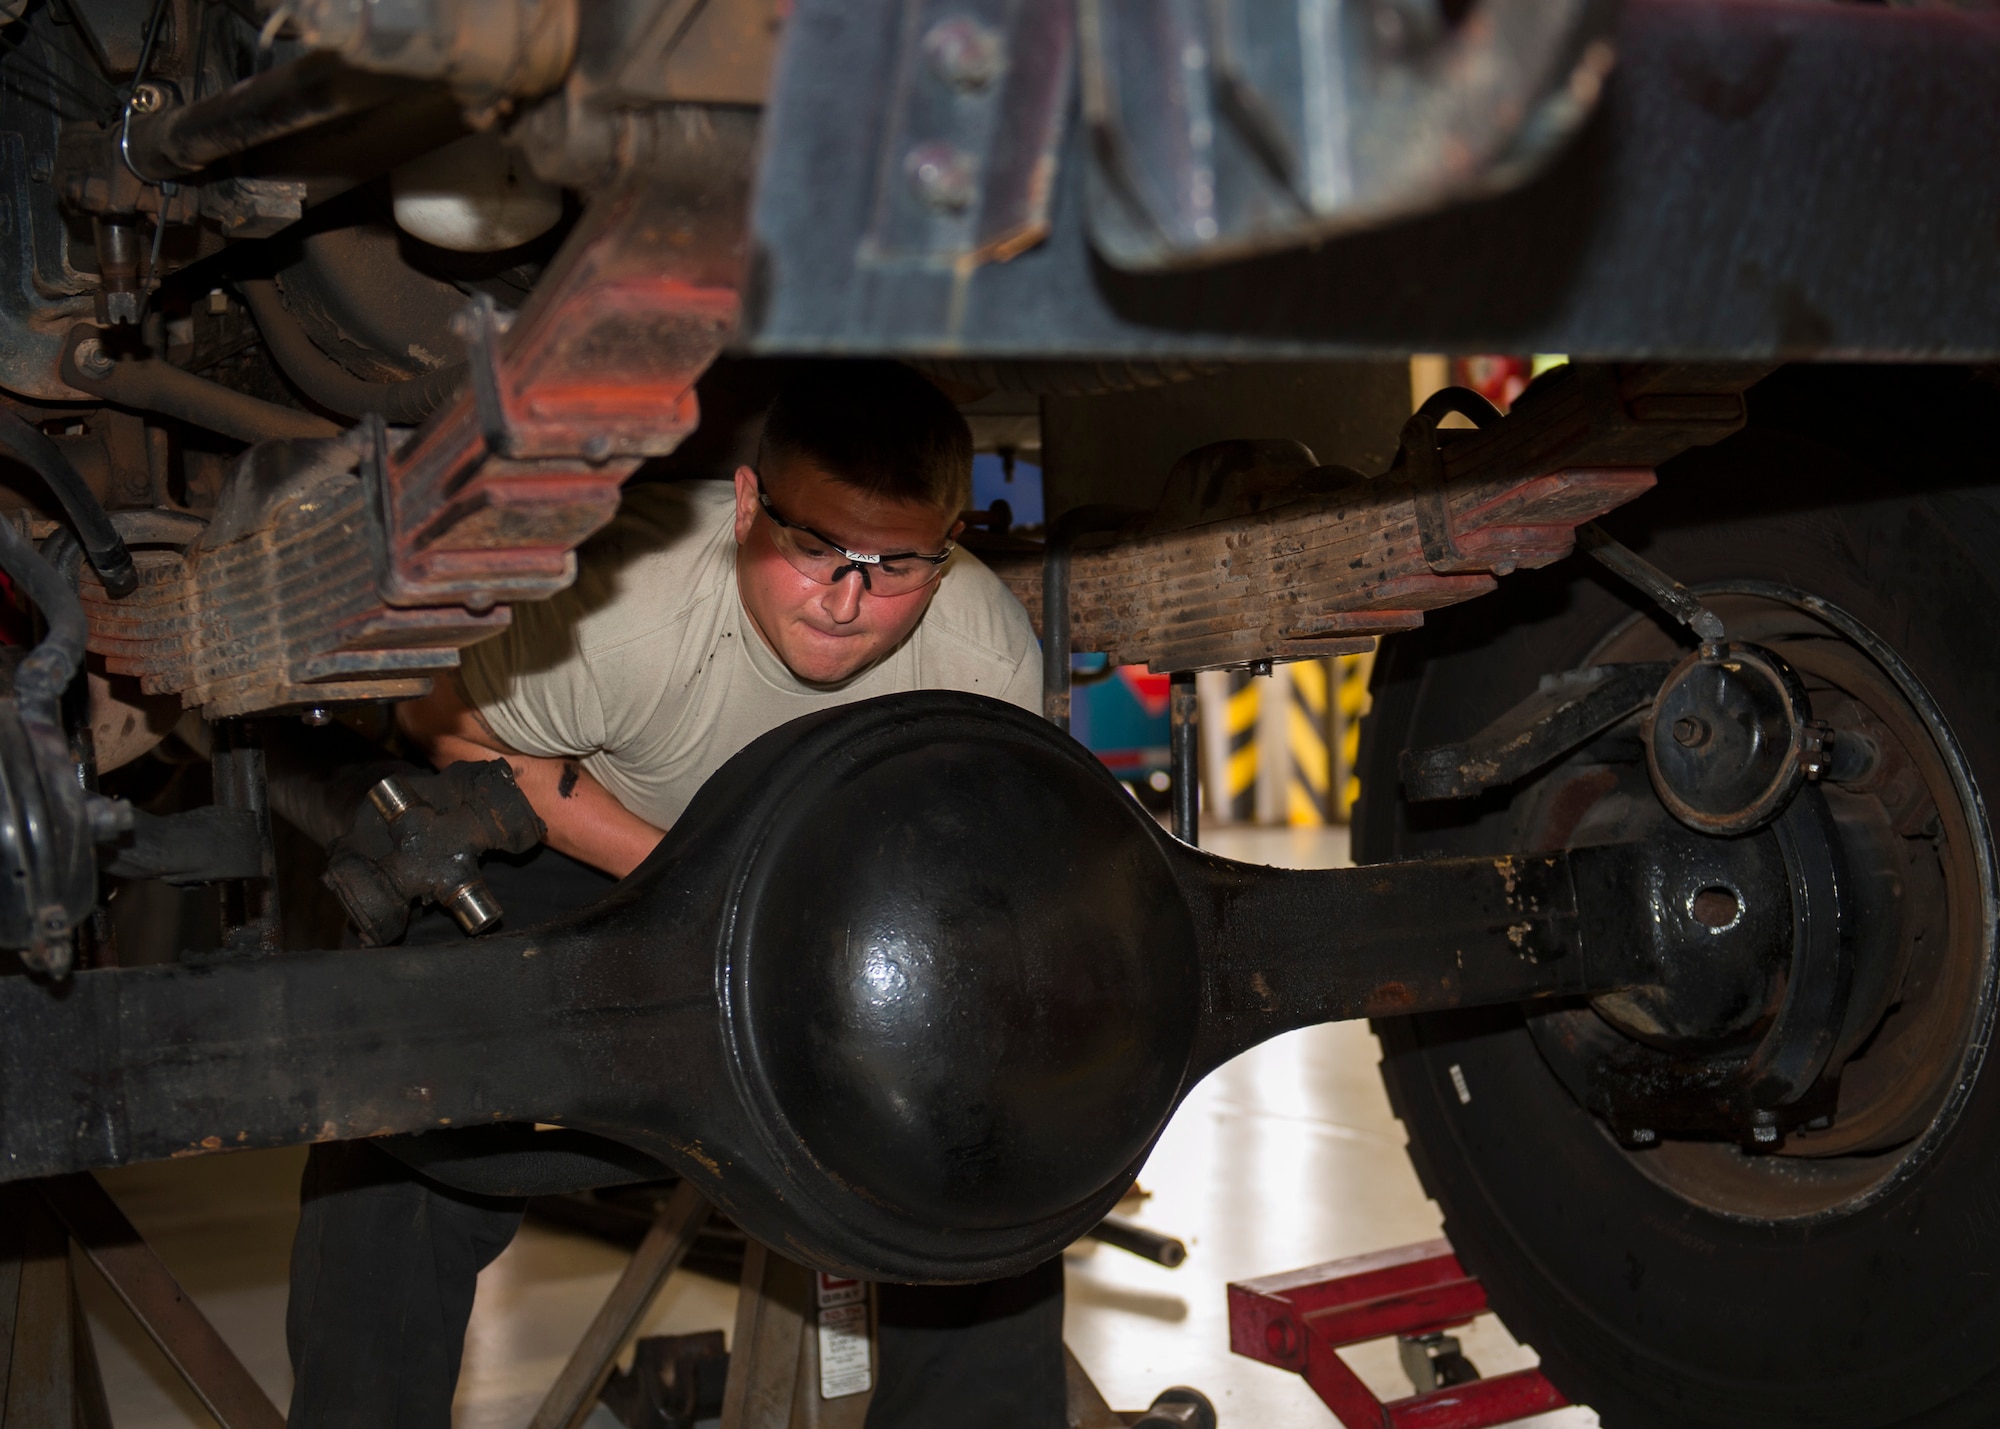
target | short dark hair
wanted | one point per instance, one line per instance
(880, 427)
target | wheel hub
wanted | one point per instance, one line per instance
(1830, 1031)
(1756, 941)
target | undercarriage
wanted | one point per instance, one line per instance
(335, 330)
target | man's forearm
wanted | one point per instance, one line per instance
(583, 818)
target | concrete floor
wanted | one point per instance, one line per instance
(1286, 1157)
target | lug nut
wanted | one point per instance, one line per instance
(1690, 732)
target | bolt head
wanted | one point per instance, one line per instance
(1764, 1135)
(944, 176)
(965, 54)
(92, 360)
(1690, 732)
(148, 99)
(1814, 754)
(317, 716)
(122, 309)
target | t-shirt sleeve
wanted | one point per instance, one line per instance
(532, 684)
(546, 683)
(981, 639)
(1024, 686)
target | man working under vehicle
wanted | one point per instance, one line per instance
(705, 615)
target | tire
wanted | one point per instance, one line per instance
(1871, 490)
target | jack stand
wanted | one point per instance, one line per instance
(803, 1355)
(804, 1351)
(574, 1394)
(1300, 1321)
(48, 1364)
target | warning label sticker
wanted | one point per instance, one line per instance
(844, 1366)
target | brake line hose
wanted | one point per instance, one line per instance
(100, 539)
(401, 404)
(42, 677)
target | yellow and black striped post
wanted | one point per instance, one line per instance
(1323, 738)
(1349, 703)
(1308, 737)
(1240, 772)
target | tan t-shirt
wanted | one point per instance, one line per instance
(648, 671)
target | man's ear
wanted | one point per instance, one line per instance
(746, 503)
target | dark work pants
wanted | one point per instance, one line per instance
(973, 1356)
(386, 1261)
(383, 1271)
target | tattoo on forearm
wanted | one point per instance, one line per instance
(566, 786)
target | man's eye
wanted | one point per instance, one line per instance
(893, 568)
(813, 550)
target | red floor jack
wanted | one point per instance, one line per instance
(1300, 1320)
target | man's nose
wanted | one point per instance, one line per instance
(843, 600)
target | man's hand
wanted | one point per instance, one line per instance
(584, 819)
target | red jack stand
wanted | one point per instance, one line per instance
(1299, 1321)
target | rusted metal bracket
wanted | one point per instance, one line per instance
(1424, 463)
(480, 327)
(1567, 711)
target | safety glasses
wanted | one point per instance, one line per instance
(822, 559)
